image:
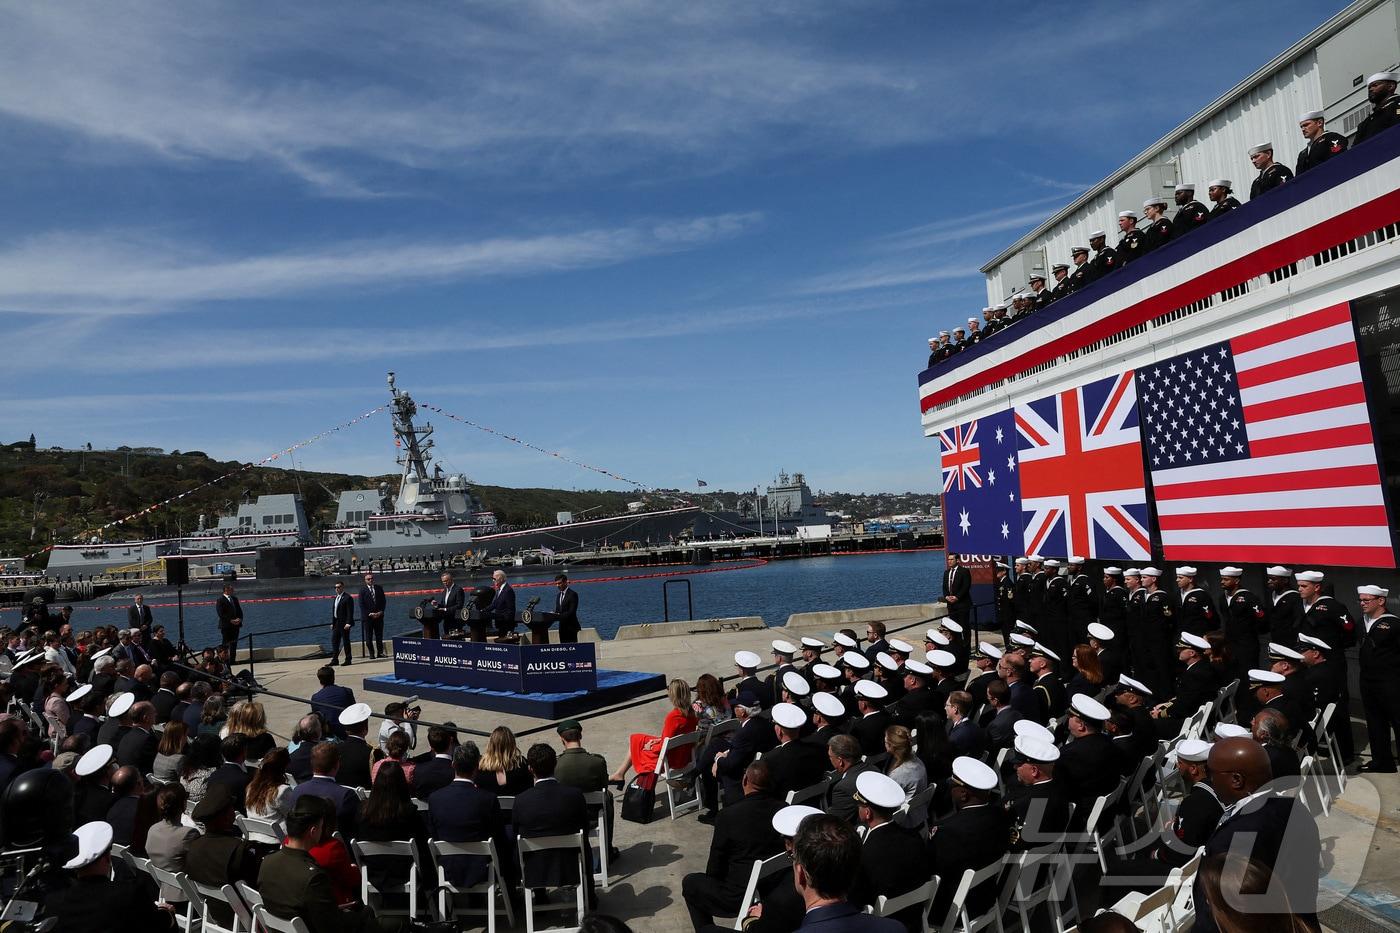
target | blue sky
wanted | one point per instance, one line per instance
(677, 240)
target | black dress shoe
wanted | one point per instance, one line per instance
(1372, 767)
(333, 664)
(708, 817)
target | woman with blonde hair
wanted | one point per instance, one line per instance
(906, 770)
(503, 771)
(250, 718)
(646, 749)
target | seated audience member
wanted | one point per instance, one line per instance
(550, 809)
(503, 771)
(826, 858)
(646, 749)
(893, 859)
(304, 740)
(202, 759)
(843, 751)
(463, 812)
(711, 705)
(265, 798)
(434, 771)
(220, 855)
(390, 815)
(170, 753)
(250, 718)
(168, 840)
(906, 770)
(743, 834)
(98, 903)
(397, 754)
(127, 790)
(325, 761)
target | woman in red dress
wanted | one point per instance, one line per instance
(647, 748)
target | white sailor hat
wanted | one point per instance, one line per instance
(1078, 249)
(1036, 277)
(1100, 632)
(937, 637)
(999, 306)
(987, 650)
(796, 684)
(1032, 730)
(1025, 641)
(1038, 558)
(355, 713)
(870, 690)
(747, 659)
(1312, 643)
(1155, 201)
(94, 841)
(1150, 572)
(1371, 589)
(1192, 640)
(1132, 572)
(1075, 559)
(1001, 565)
(959, 330)
(1132, 214)
(1262, 147)
(1185, 570)
(1192, 750)
(943, 659)
(1024, 626)
(952, 626)
(1136, 686)
(787, 820)
(809, 642)
(94, 760)
(844, 640)
(784, 647)
(1097, 234)
(900, 645)
(1232, 571)
(1060, 265)
(1277, 571)
(973, 320)
(1033, 750)
(79, 693)
(1186, 186)
(102, 654)
(856, 660)
(1040, 651)
(1258, 678)
(1020, 561)
(933, 340)
(919, 667)
(826, 671)
(1089, 708)
(1051, 563)
(828, 705)
(970, 772)
(1310, 576)
(1230, 730)
(1384, 76)
(788, 715)
(29, 658)
(121, 704)
(1279, 652)
(1310, 115)
(944, 333)
(1113, 571)
(1221, 183)
(879, 790)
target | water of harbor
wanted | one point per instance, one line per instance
(608, 598)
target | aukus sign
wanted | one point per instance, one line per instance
(566, 668)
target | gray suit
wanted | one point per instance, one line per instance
(166, 845)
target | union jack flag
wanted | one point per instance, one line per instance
(1081, 474)
(961, 457)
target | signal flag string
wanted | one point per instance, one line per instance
(115, 523)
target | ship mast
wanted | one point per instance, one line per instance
(415, 441)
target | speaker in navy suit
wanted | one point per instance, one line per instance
(342, 621)
(550, 809)
(445, 608)
(502, 608)
(331, 700)
(463, 812)
(372, 605)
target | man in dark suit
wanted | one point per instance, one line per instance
(1277, 832)
(331, 700)
(127, 788)
(977, 834)
(893, 859)
(793, 764)
(875, 640)
(755, 734)
(463, 812)
(964, 735)
(355, 750)
(373, 602)
(194, 710)
(1001, 724)
(957, 590)
(565, 610)
(325, 762)
(138, 615)
(550, 809)
(230, 615)
(234, 771)
(826, 858)
(445, 608)
(434, 772)
(843, 751)
(743, 834)
(138, 747)
(869, 729)
(165, 699)
(342, 621)
(501, 612)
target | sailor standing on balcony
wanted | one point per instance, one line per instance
(1040, 295)
(1219, 193)
(933, 355)
(1083, 272)
(1322, 145)
(1192, 214)
(1105, 257)
(1131, 244)
(1158, 229)
(1385, 112)
(1062, 287)
(1271, 174)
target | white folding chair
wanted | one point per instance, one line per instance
(599, 830)
(678, 778)
(922, 895)
(449, 907)
(1151, 913)
(762, 868)
(906, 816)
(277, 924)
(184, 908)
(267, 832)
(374, 895)
(575, 842)
(244, 902)
(1038, 878)
(958, 919)
(225, 895)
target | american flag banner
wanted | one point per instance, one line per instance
(1081, 476)
(981, 501)
(1261, 449)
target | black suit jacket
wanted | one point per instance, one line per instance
(502, 608)
(893, 861)
(754, 736)
(743, 834)
(968, 738)
(101, 904)
(343, 609)
(1042, 812)
(431, 775)
(1001, 730)
(1089, 767)
(869, 731)
(566, 608)
(299, 765)
(463, 812)
(232, 774)
(164, 701)
(841, 798)
(329, 701)
(138, 748)
(354, 763)
(1268, 828)
(372, 599)
(795, 766)
(138, 617)
(550, 809)
(973, 837)
(228, 609)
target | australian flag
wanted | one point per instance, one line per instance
(981, 498)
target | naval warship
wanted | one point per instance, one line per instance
(433, 514)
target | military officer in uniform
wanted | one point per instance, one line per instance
(1191, 213)
(1039, 809)
(1323, 616)
(1196, 818)
(1158, 229)
(1242, 616)
(1271, 173)
(1083, 272)
(974, 332)
(934, 354)
(1197, 611)
(1195, 686)
(1040, 295)
(1083, 604)
(1158, 630)
(1380, 689)
(1060, 271)
(1024, 578)
(1285, 605)
(975, 835)
(918, 696)
(1325, 677)
(1136, 652)
(1290, 663)
(1049, 690)
(1103, 640)
(1219, 194)
(985, 656)
(1006, 601)
(1105, 257)
(1385, 106)
(1322, 145)
(1131, 244)
(1113, 604)
(1089, 765)
(1053, 627)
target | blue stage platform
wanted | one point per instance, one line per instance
(613, 687)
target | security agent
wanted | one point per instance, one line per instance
(1192, 213)
(1322, 145)
(1219, 192)
(1380, 689)
(1105, 257)
(1271, 173)
(1131, 244)
(1385, 106)
(1060, 271)
(1158, 229)
(1083, 272)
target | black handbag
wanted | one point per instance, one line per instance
(639, 800)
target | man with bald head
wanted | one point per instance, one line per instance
(1274, 830)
